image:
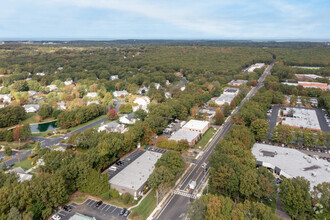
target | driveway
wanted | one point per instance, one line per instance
(88, 208)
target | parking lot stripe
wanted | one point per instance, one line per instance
(111, 208)
(104, 207)
(73, 204)
(108, 208)
(88, 201)
(101, 206)
(92, 203)
(114, 210)
(60, 213)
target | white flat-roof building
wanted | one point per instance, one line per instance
(301, 118)
(227, 97)
(197, 125)
(133, 178)
(253, 67)
(292, 163)
(191, 136)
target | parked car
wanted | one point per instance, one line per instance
(126, 213)
(113, 168)
(56, 217)
(67, 208)
(123, 211)
(119, 163)
(99, 203)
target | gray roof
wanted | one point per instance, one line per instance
(136, 174)
(184, 135)
(293, 162)
(231, 90)
(112, 124)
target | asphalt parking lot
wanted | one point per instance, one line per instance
(88, 208)
(158, 150)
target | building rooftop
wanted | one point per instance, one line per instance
(182, 134)
(137, 173)
(302, 117)
(231, 90)
(293, 163)
(196, 124)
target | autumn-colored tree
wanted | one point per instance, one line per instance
(112, 114)
(213, 209)
(193, 111)
(17, 132)
(219, 117)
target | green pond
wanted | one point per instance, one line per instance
(48, 126)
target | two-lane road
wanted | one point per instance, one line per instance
(176, 206)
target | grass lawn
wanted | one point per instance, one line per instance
(146, 206)
(16, 144)
(205, 139)
(31, 118)
(41, 134)
(26, 164)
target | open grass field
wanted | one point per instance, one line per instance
(146, 206)
(205, 139)
(26, 164)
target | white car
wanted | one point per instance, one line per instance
(56, 217)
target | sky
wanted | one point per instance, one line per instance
(165, 19)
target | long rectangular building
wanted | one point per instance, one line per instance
(133, 178)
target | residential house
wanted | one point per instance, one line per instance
(31, 108)
(5, 98)
(120, 93)
(167, 95)
(114, 77)
(157, 86)
(52, 87)
(112, 127)
(69, 82)
(127, 119)
(61, 105)
(93, 102)
(40, 74)
(91, 95)
(142, 102)
(143, 91)
(32, 93)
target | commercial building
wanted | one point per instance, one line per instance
(197, 125)
(301, 118)
(307, 76)
(291, 163)
(133, 178)
(253, 67)
(227, 97)
(316, 85)
(191, 136)
(238, 82)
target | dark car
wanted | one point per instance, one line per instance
(126, 213)
(67, 208)
(99, 203)
(278, 180)
(119, 163)
(123, 211)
